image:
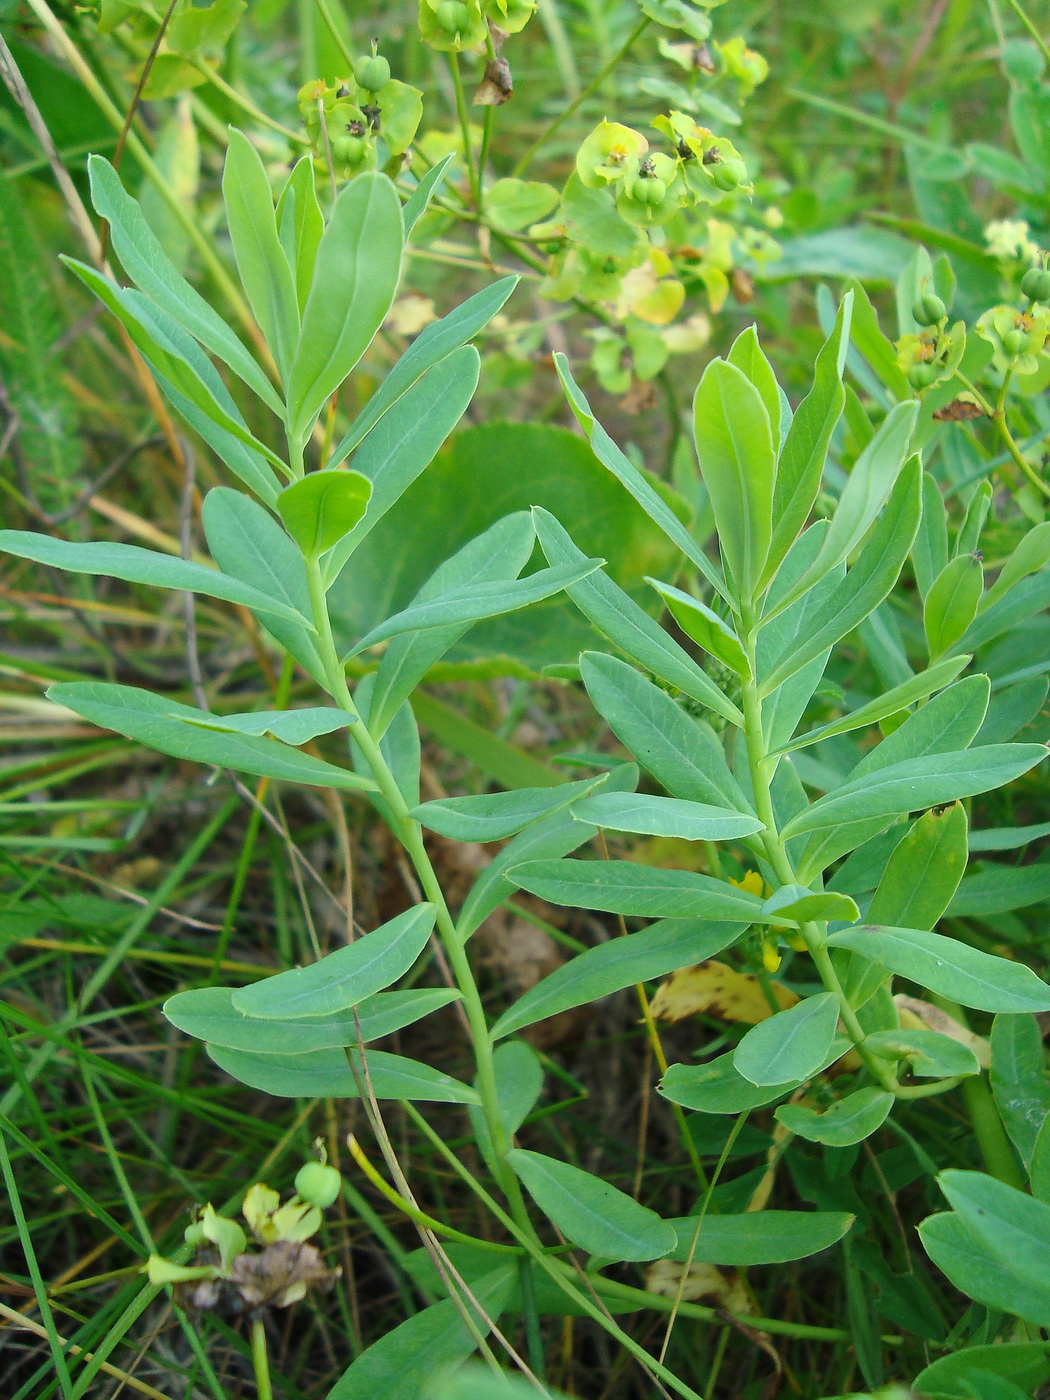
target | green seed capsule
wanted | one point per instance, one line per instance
(921, 375)
(1036, 284)
(318, 1185)
(725, 176)
(372, 72)
(194, 1235)
(453, 16)
(648, 189)
(928, 309)
(1015, 342)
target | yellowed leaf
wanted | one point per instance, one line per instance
(702, 1282)
(718, 990)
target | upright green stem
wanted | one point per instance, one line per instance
(464, 127)
(261, 1361)
(998, 416)
(410, 835)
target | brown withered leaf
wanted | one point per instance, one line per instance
(716, 989)
(497, 86)
(958, 411)
(280, 1274)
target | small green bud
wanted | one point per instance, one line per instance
(1015, 342)
(724, 175)
(928, 309)
(1036, 284)
(318, 1185)
(453, 16)
(921, 375)
(648, 189)
(372, 72)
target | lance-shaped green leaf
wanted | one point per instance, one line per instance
(136, 565)
(949, 968)
(846, 1122)
(951, 603)
(433, 344)
(794, 904)
(471, 602)
(265, 273)
(930, 550)
(175, 358)
(866, 584)
(147, 264)
(248, 544)
(622, 962)
(867, 490)
(923, 872)
(682, 753)
(355, 281)
(300, 225)
(518, 1072)
(1019, 1082)
(929, 1055)
(746, 355)
(500, 552)
(628, 626)
(629, 476)
(326, 1074)
(916, 688)
(705, 627)
(738, 464)
(918, 783)
(491, 816)
(622, 887)
(175, 729)
(805, 449)
(792, 1045)
(405, 440)
(419, 200)
(208, 1013)
(290, 726)
(591, 1212)
(1031, 555)
(322, 507)
(664, 816)
(345, 977)
(757, 1237)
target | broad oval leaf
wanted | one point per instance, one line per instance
(1011, 1225)
(929, 1054)
(719, 1087)
(758, 1237)
(975, 1270)
(347, 976)
(622, 962)
(183, 732)
(591, 1212)
(792, 1045)
(208, 1013)
(664, 816)
(847, 1121)
(323, 507)
(794, 904)
(329, 1074)
(622, 887)
(949, 968)
(136, 565)
(1025, 1364)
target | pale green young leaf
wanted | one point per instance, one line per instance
(473, 601)
(680, 752)
(877, 348)
(622, 962)
(949, 968)
(623, 887)
(664, 816)
(705, 627)
(758, 1237)
(628, 474)
(805, 447)
(300, 225)
(136, 565)
(628, 626)
(208, 1013)
(923, 872)
(171, 728)
(747, 355)
(792, 1045)
(152, 271)
(355, 282)
(419, 200)
(951, 604)
(1031, 555)
(847, 1121)
(434, 343)
(322, 508)
(591, 1212)
(265, 273)
(918, 783)
(337, 1074)
(929, 553)
(493, 816)
(347, 976)
(735, 448)
(794, 904)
